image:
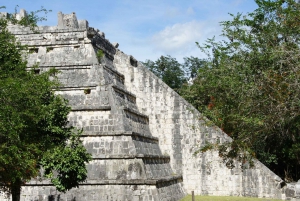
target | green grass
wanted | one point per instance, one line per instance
(224, 198)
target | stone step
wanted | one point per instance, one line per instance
(110, 73)
(134, 156)
(135, 115)
(94, 122)
(124, 98)
(119, 133)
(157, 168)
(43, 68)
(77, 88)
(122, 146)
(85, 98)
(109, 191)
(90, 108)
(159, 182)
(136, 121)
(99, 42)
(18, 30)
(68, 54)
(49, 43)
(127, 168)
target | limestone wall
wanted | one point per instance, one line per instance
(101, 192)
(182, 130)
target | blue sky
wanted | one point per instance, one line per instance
(146, 29)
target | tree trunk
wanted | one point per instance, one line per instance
(16, 190)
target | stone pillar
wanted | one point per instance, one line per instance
(67, 21)
(21, 15)
(83, 24)
(60, 18)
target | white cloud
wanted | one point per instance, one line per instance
(176, 37)
(179, 39)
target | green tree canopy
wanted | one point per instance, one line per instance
(169, 70)
(173, 73)
(34, 131)
(250, 88)
(191, 65)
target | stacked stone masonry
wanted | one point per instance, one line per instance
(142, 135)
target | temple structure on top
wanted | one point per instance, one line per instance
(142, 135)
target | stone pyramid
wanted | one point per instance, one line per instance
(127, 161)
(141, 134)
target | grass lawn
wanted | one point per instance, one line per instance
(224, 198)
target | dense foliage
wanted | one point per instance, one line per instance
(250, 87)
(173, 73)
(168, 69)
(33, 124)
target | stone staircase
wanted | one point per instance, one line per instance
(127, 161)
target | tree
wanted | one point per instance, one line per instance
(191, 66)
(34, 131)
(250, 88)
(169, 70)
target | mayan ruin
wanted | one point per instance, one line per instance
(142, 135)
